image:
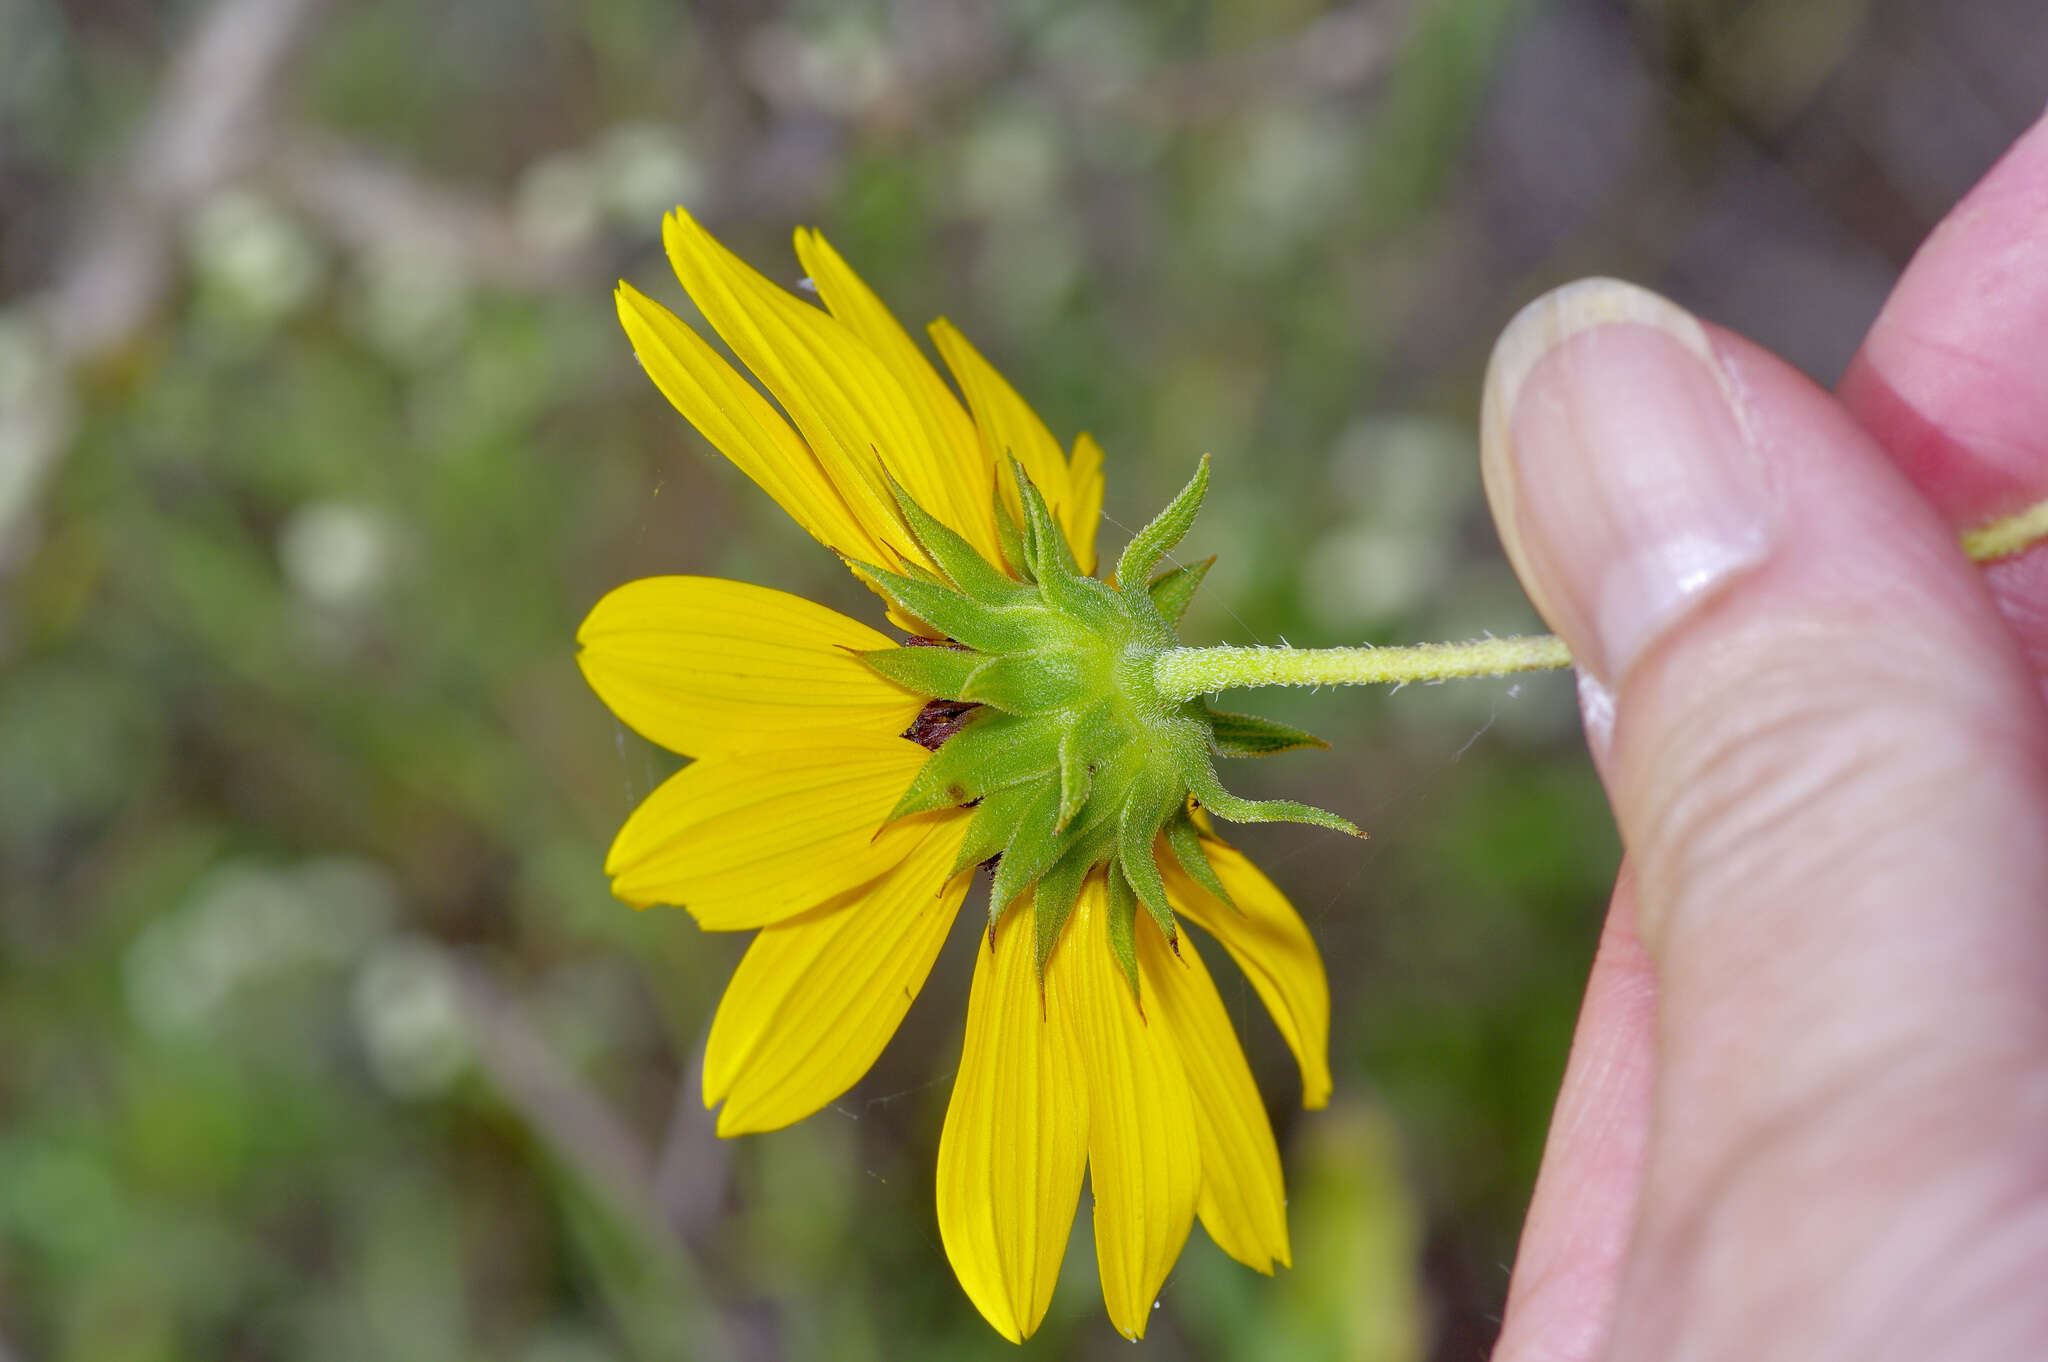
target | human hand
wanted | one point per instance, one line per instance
(1806, 1112)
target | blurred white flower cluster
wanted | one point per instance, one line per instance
(248, 927)
(625, 179)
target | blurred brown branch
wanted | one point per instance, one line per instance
(674, 1195)
(208, 125)
(693, 1170)
(1346, 49)
(672, 1200)
(217, 121)
(374, 206)
(575, 1123)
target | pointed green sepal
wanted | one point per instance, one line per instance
(972, 574)
(918, 572)
(1142, 554)
(1186, 841)
(992, 629)
(1052, 902)
(1137, 828)
(1224, 804)
(1123, 922)
(1051, 555)
(1038, 682)
(1087, 601)
(1079, 745)
(991, 751)
(1035, 843)
(988, 831)
(934, 670)
(1171, 591)
(1082, 599)
(1010, 538)
(1247, 735)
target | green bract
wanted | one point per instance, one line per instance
(1044, 716)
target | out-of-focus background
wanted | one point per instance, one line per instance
(320, 1036)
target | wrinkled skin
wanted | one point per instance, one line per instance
(1806, 1112)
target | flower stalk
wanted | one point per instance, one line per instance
(1184, 673)
(2007, 536)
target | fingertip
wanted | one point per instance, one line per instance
(1616, 459)
(1540, 327)
(1949, 378)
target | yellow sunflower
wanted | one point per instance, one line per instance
(845, 786)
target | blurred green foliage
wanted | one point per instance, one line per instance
(320, 1036)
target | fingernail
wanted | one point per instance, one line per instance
(1620, 468)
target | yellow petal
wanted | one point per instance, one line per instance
(1083, 512)
(703, 666)
(1007, 425)
(1143, 1164)
(749, 838)
(963, 473)
(1243, 1203)
(1016, 1137)
(1272, 946)
(853, 413)
(740, 423)
(816, 998)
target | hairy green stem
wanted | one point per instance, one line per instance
(2004, 538)
(1184, 673)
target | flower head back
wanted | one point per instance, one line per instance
(846, 787)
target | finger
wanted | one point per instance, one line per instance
(1951, 378)
(1961, 335)
(1830, 770)
(1568, 1267)
(1949, 384)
